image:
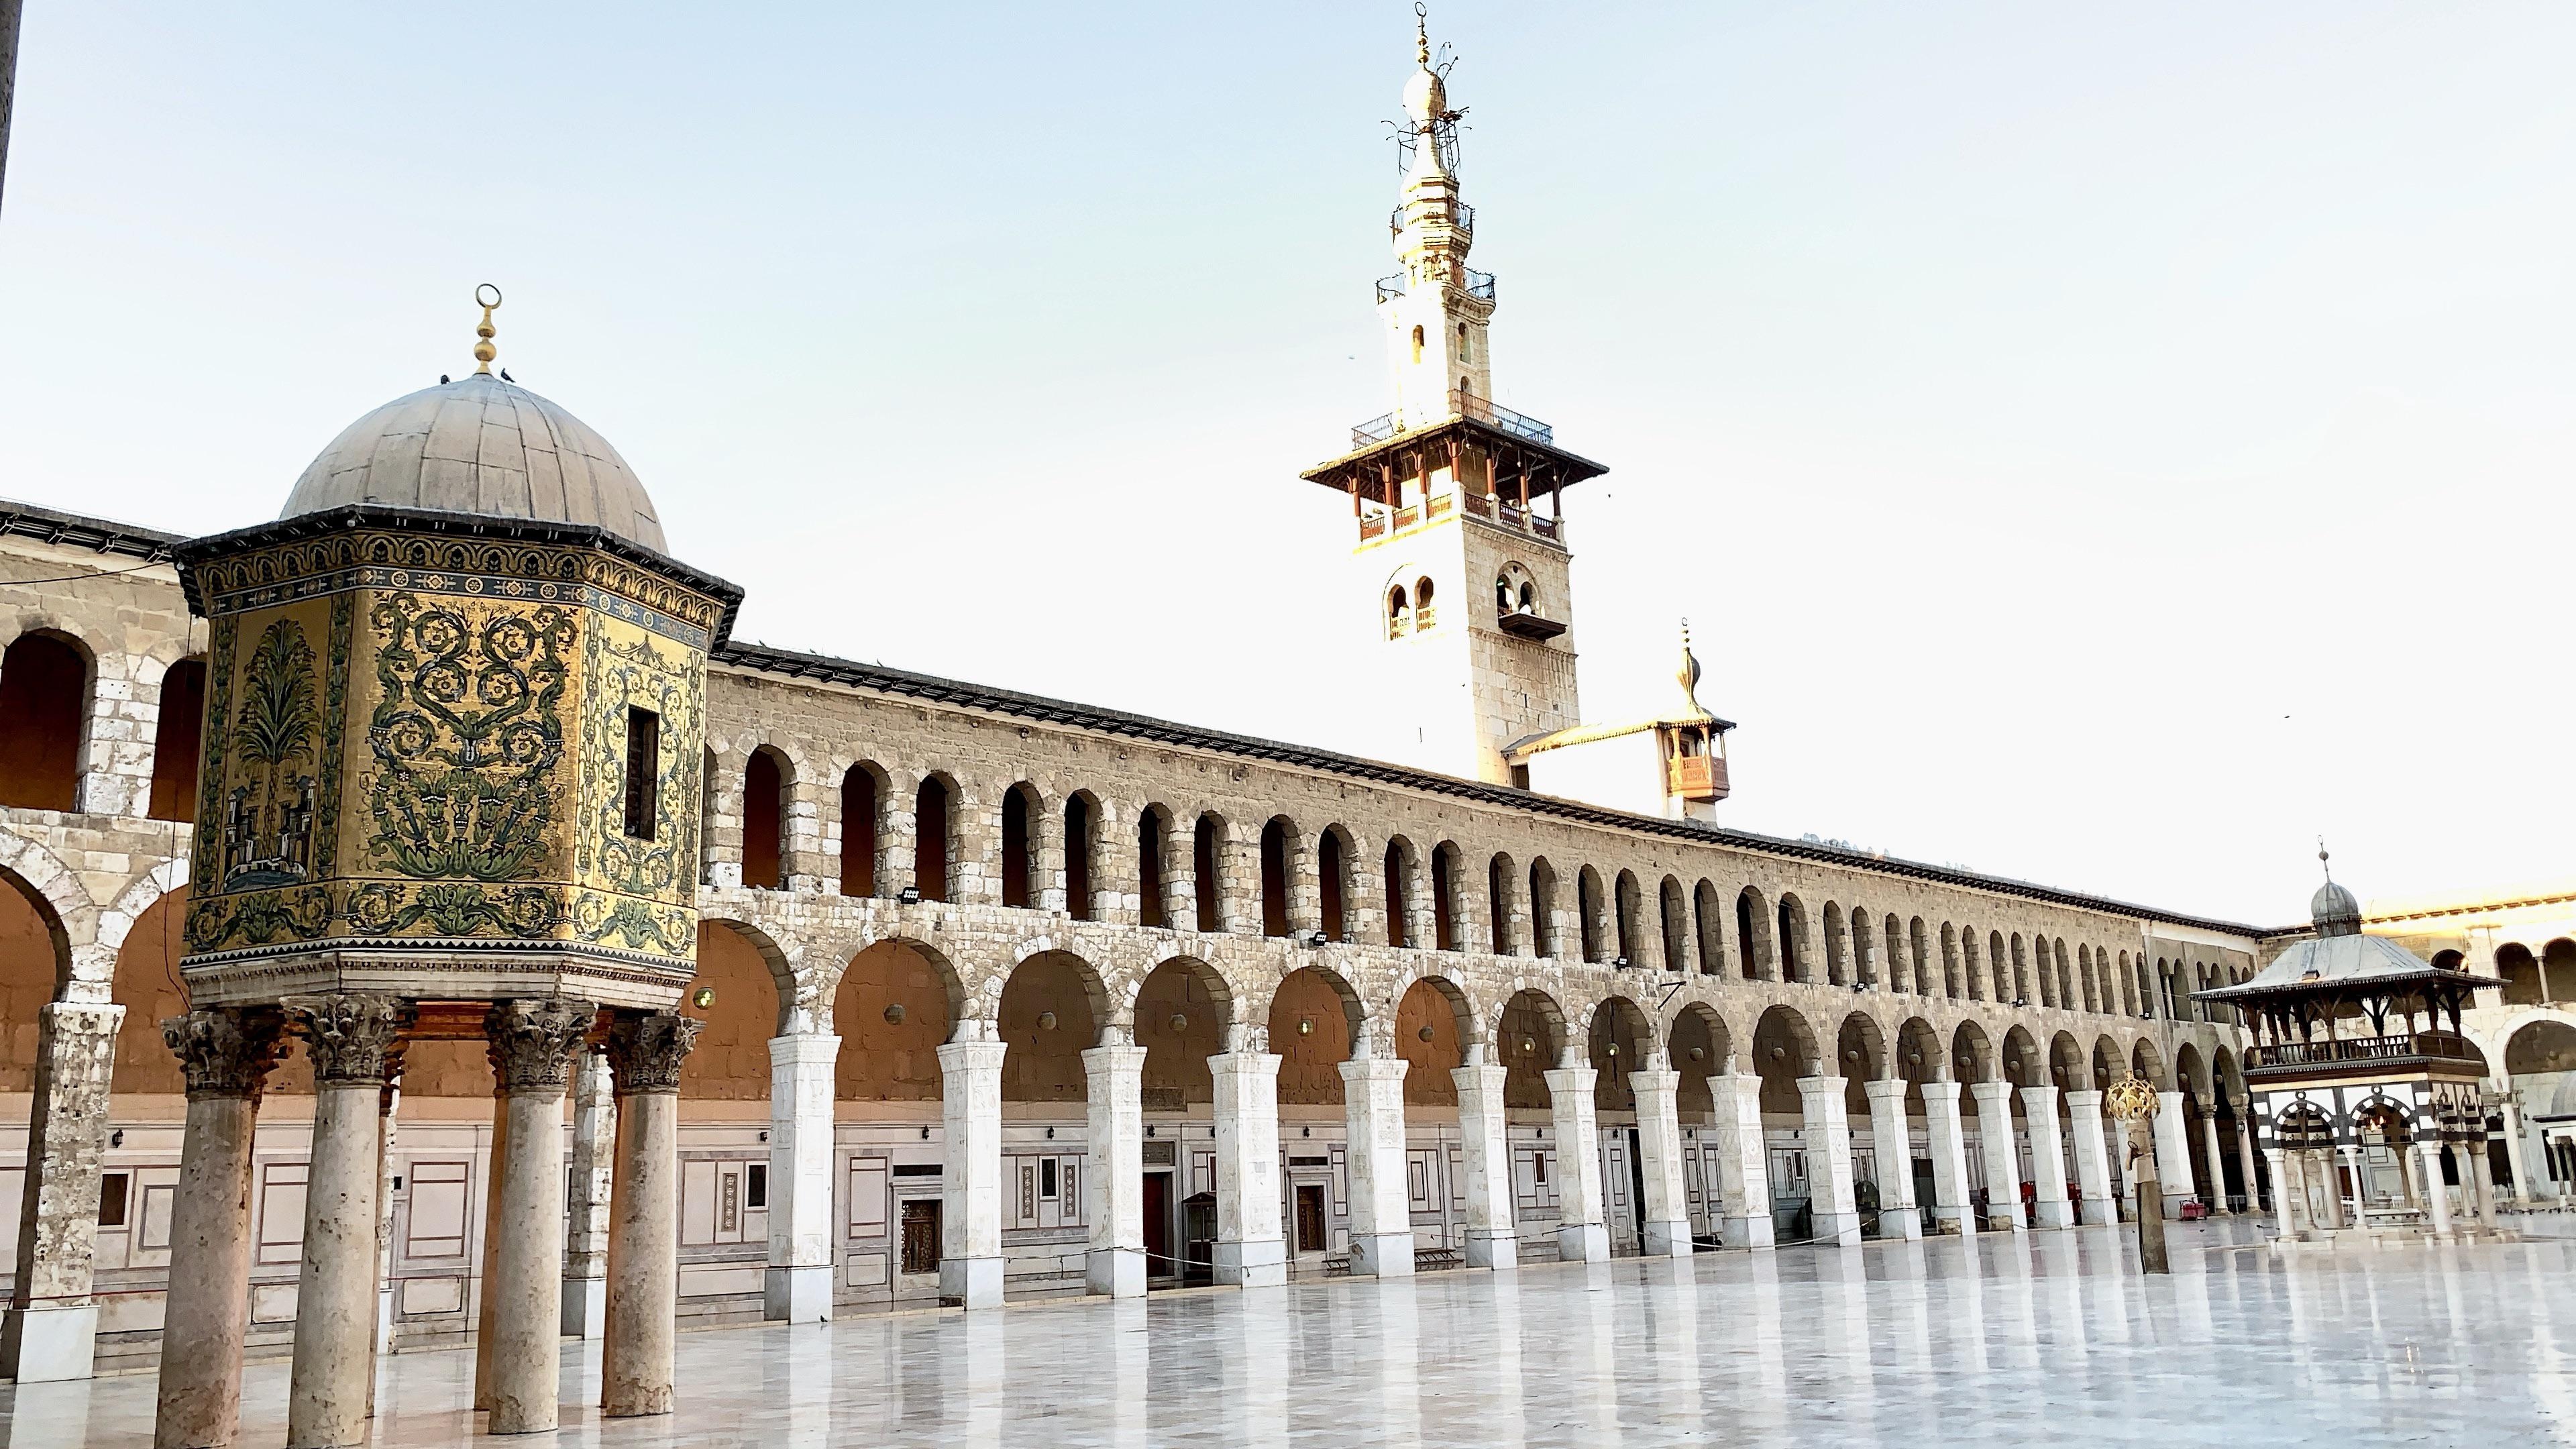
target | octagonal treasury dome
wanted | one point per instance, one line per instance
(480, 445)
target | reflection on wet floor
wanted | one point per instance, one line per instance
(2045, 1339)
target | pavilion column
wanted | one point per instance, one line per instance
(1830, 1197)
(2436, 1196)
(1114, 1190)
(1659, 1149)
(2003, 1159)
(1381, 1212)
(2351, 1153)
(51, 1330)
(2050, 1207)
(2173, 1154)
(2217, 1162)
(2284, 1218)
(532, 1046)
(2092, 1158)
(970, 1210)
(637, 1361)
(1581, 1236)
(797, 1287)
(1493, 1236)
(1250, 1250)
(354, 1042)
(387, 1101)
(1892, 1143)
(2517, 1158)
(1950, 1212)
(1743, 1161)
(2245, 1157)
(2485, 1180)
(594, 1157)
(226, 1054)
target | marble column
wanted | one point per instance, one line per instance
(2245, 1157)
(225, 1053)
(1892, 1143)
(797, 1285)
(2518, 1156)
(354, 1041)
(594, 1154)
(2285, 1216)
(646, 1051)
(2217, 1162)
(2050, 1206)
(2484, 1178)
(1381, 1213)
(1659, 1149)
(2173, 1154)
(1830, 1197)
(1493, 1234)
(2002, 1155)
(484, 1302)
(1951, 1212)
(2092, 1159)
(1250, 1251)
(1743, 1161)
(2351, 1153)
(383, 1343)
(1581, 1235)
(532, 1044)
(2436, 1197)
(51, 1330)
(1113, 1191)
(970, 1207)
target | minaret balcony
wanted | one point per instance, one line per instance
(1462, 219)
(1480, 285)
(2402, 1049)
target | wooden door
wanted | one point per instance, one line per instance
(1311, 1237)
(921, 1235)
(1158, 1226)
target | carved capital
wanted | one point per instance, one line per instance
(532, 1042)
(352, 1036)
(225, 1051)
(645, 1050)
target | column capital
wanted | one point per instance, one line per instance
(1941, 1089)
(2089, 1098)
(1654, 1079)
(646, 1049)
(1377, 1069)
(531, 1042)
(1570, 1079)
(1821, 1082)
(1997, 1091)
(1247, 1062)
(225, 1051)
(1114, 1057)
(968, 1056)
(353, 1037)
(2045, 1096)
(1885, 1089)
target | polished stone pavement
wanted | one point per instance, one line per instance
(2051, 1339)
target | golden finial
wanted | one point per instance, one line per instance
(1688, 674)
(484, 351)
(1422, 34)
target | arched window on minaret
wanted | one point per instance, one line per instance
(1417, 342)
(1466, 353)
(1422, 615)
(1399, 614)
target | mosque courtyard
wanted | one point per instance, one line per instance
(2046, 1339)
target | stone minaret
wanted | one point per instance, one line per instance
(1459, 586)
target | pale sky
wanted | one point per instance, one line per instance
(2107, 447)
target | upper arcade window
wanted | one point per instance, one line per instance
(643, 771)
(1424, 616)
(1399, 613)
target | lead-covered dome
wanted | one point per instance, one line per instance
(484, 446)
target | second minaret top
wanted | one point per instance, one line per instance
(1436, 309)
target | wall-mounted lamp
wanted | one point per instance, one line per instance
(1305, 1026)
(1305, 1131)
(894, 1014)
(1046, 1021)
(116, 1138)
(1050, 1134)
(1618, 963)
(1423, 1034)
(1529, 1044)
(925, 1134)
(908, 896)
(1778, 1052)
(1614, 1049)
(1698, 1052)
(1179, 1023)
(1149, 1129)
(703, 998)
(1318, 939)
(764, 1136)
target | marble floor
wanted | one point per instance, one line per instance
(2051, 1340)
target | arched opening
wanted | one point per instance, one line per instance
(934, 816)
(1417, 343)
(1182, 1012)
(1444, 897)
(1529, 1037)
(2520, 970)
(1277, 839)
(1424, 615)
(1617, 1044)
(147, 985)
(1430, 1034)
(1676, 918)
(730, 1062)
(1081, 847)
(1837, 962)
(44, 693)
(1700, 1047)
(1153, 825)
(1399, 892)
(1333, 875)
(1712, 940)
(1499, 875)
(1542, 910)
(1864, 952)
(1051, 1011)
(1630, 933)
(1019, 809)
(177, 741)
(1204, 851)
(2021, 974)
(764, 817)
(1399, 613)
(892, 1009)
(1315, 1016)
(707, 813)
(1794, 965)
(1860, 1055)
(1589, 907)
(862, 806)
(1752, 935)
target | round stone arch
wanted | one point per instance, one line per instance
(1111, 1012)
(2022, 1062)
(1860, 1057)
(1973, 1057)
(1620, 1037)
(1531, 1038)
(1436, 1029)
(1297, 1018)
(735, 961)
(970, 1014)
(1473, 1025)
(1919, 1056)
(1700, 1046)
(1786, 1049)
(1183, 1010)
(138, 896)
(1052, 1006)
(2068, 1070)
(2148, 1064)
(2191, 1073)
(2496, 1043)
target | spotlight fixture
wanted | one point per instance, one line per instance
(908, 896)
(1618, 963)
(1318, 939)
